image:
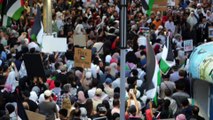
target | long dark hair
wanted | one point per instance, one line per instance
(89, 107)
(2, 48)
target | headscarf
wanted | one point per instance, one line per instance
(181, 117)
(115, 58)
(113, 69)
(192, 20)
(11, 84)
(83, 113)
(33, 96)
(81, 96)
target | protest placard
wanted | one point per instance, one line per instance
(34, 66)
(159, 5)
(188, 45)
(82, 57)
(210, 32)
(51, 44)
(80, 40)
(35, 116)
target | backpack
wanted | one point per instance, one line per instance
(66, 103)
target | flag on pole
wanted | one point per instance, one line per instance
(6, 21)
(151, 2)
(1, 3)
(20, 108)
(152, 73)
(37, 29)
(147, 6)
(167, 57)
(14, 9)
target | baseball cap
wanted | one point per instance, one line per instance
(108, 81)
(98, 91)
(48, 93)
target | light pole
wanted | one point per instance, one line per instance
(123, 37)
(47, 18)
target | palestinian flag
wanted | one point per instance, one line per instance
(147, 6)
(14, 9)
(6, 21)
(37, 29)
(167, 57)
(1, 3)
(152, 73)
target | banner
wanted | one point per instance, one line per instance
(34, 65)
(35, 116)
(82, 57)
(188, 45)
(159, 5)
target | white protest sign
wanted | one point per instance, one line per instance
(51, 44)
(188, 45)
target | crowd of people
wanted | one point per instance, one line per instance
(75, 93)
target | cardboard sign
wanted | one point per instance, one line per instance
(80, 40)
(35, 116)
(51, 44)
(34, 66)
(159, 5)
(82, 57)
(210, 32)
(188, 45)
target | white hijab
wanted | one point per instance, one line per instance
(192, 20)
(11, 83)
(33, 96)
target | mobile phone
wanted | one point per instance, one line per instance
(131, 91)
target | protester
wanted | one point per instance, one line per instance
(48, 107)
(195, 114)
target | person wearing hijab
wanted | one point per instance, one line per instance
(84, 114)
(192, 20)
(81, 99)
(10, 84)
(113, 69)
(209, 16)
(33, 97)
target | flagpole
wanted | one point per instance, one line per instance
(123, 37)
(47, 18)
(31, 7)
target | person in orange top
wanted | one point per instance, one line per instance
(157, 22)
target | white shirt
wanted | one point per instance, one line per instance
(142, 41)
(79, 29)
(116, 83)
(14, 116)
(173, 104)
(174, 76)
(170, 26)
(59, 24)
